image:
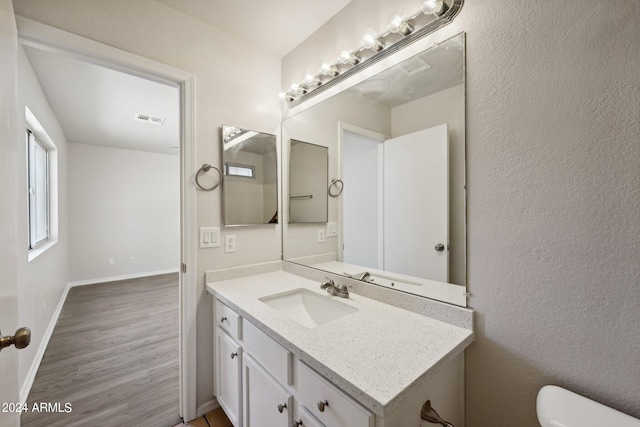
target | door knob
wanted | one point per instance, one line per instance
(21, 339)
(439, 247)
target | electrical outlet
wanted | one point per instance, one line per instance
(44, 305)
(111, 261)
(321, 236)
(229, 243)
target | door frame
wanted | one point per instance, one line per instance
(376, 136)
(51, 39)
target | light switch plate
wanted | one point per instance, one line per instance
(209, 237)
(332, 229)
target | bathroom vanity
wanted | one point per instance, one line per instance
(289, 354)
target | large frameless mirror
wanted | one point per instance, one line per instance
(397, 143)
(250, 189)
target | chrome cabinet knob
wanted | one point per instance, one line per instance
(322, 404)
(234, 355)
(439, 247)
(222, 319)
(281, 407)
(298, 423)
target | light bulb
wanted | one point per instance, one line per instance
(370, 41)
(347, 57)
(399, 25)
(329, 70)
(433, 7)
(311, 80)
(282, 94)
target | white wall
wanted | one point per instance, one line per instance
(552, 161)
(235, 83)
(446, 106)
(43, 280)
(122, 204)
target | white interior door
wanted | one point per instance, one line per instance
(416, 191)
(8, 246)
(362, 200)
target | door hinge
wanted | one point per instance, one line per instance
(184, 267)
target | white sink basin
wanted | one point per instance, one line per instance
(308, 308)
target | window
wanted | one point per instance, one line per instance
(246, 171)
(42, 188)
(38, 172)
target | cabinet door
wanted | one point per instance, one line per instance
(305, 419)
(228, 356)
(265, 402)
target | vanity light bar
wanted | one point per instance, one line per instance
(408, 29)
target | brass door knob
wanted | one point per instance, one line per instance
(21, 339)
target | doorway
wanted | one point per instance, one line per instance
(37, 36)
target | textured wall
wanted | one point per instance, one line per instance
(553, 163)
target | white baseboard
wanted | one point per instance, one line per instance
(204, 409)
(122, 277)
(35, 365)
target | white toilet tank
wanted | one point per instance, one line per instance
(558, 407)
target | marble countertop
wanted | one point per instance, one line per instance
(375, 354)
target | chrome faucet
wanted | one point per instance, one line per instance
(331, 287)
(364, 277)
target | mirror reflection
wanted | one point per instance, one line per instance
(308, 175)
(250, 190)
(397, 142)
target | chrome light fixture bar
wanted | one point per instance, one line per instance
(401, 32)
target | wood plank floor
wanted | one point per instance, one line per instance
(113, 356)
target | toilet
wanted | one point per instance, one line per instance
(557, 407)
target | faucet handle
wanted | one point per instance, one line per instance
(329, 280)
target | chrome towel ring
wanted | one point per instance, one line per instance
(205, 168)
(338, 185)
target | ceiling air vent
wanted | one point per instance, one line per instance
(148, 119)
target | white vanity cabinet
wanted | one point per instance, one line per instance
(265, 401)
(305, 419)
(328, 403)
(228, 374)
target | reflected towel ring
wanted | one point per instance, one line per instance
(205, 168)
(339, 187)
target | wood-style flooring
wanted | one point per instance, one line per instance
(113, 356)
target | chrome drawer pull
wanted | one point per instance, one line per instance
(281, 407)
(233, 355)
(322, 404)
(222, 319)
(298, 423)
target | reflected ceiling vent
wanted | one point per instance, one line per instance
(148, 119)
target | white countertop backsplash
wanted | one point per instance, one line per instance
(377, 354)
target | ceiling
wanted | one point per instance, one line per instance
(96, 105)
(286, 22)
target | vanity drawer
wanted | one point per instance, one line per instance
(329, 404)
(228, 319)
(271, 355)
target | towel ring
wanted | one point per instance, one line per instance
(339, 187)
(205, 168)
